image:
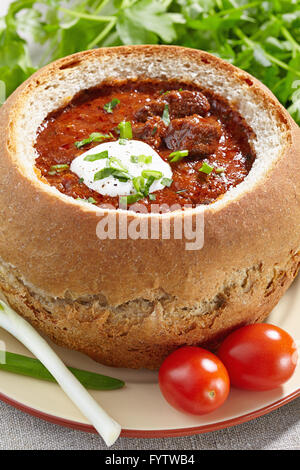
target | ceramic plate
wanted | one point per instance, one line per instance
(140, 407)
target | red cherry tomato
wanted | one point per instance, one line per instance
(259, 357)
(194, 380)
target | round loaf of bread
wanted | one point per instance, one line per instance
(129, 301)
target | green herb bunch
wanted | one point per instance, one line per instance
(262, 37)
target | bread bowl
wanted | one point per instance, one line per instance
(129, 302)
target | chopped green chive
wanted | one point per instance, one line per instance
(108, 107)
(166, 115)
(155, 174)
(123, 141)
(154, 130)
(207, 169)
(141, 159)
(131, 199)
(148, 184)
(121, 175)
(91, 200)
(125, 130)
(139, 184)
(152, 197)
(104, 173)
(219, 170)
(178, 155)
(96, 156)
(116, 164)
(166, 182)
(81, 180)
(94, 137)
(181, 191)
(58, 168)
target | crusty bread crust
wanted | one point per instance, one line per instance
(130, 302)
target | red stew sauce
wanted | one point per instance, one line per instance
(199, 121)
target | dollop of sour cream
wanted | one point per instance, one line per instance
(122, 150)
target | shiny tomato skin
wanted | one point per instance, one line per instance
(194, 380)
(259, 356)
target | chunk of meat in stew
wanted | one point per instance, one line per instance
(153, 108)
(200, 136)
(151, 131)
(181, 103)
(186, 103)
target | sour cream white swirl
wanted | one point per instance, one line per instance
(122, 150)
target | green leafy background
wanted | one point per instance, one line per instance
(262, 37)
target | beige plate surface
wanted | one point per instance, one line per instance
(139, 407)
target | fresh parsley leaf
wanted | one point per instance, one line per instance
(148, 16)
(132, 33)
(294, 108)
